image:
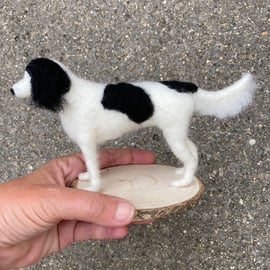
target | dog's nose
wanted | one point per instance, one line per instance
(12, 91)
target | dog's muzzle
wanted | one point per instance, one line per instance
(12, 91)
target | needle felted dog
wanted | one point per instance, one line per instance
(92, 113)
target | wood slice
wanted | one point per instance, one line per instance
(148, 188)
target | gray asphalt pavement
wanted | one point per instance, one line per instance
(210, 43)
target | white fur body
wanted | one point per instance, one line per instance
(89, 124)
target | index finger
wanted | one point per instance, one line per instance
(115, 157)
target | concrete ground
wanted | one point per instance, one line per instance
(208, 42)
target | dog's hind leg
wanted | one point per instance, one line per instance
(194, 152)
(185, 150)
(92, 175)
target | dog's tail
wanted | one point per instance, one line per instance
(227, 102)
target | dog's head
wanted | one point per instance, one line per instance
(46, 82)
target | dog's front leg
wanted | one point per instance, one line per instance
(90, 180)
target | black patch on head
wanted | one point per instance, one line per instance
(49, 83)
(129, 99)
(181, 87)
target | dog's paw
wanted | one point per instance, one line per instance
(84, 176)
(181, 182)
(179, 171)
(87, 185)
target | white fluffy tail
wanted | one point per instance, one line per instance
(226, 102)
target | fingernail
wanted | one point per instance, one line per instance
(124, 211)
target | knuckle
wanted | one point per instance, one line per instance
(96, 205)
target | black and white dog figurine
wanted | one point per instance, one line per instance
(92, 113)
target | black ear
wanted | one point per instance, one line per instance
(49, 83)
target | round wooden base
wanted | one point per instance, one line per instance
(148, 188)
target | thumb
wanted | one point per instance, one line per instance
(75, 204)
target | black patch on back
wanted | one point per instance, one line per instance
(129, 99)
(49, 83)
(181, 87)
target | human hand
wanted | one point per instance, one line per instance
(39, 215)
